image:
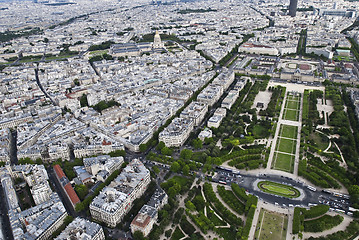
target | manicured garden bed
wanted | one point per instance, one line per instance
(278, 189)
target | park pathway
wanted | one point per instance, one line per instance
(255, 220)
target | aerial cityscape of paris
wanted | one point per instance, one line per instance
(179, 119)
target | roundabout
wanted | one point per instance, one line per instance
(278, 189)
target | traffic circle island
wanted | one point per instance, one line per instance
(278, 189)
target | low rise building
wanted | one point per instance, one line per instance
(206, 133)
(147, 216)
(144, 220)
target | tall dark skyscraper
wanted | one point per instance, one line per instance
(293, 7)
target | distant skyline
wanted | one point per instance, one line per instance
(293, 8)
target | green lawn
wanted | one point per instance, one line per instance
(181, 180)
(271, 226)
(98, 52)
(288, 131)
(259, 131)
(283, 162)
(60, 57)
(292, 97)
(320, 141)
(260, 219)
(37, 59)
(292, 115)
(292, 105)
(286, 145)
(343, 58)
(278, 189)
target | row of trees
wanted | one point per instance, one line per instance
(201, 221)
(102, 46)
(275, 103)
(257, 86)
(97, 58)
(323, 223)
(245, 158)
(237, 153)
(248, 225)
(315, 211)
(348, 233)
(171, 213)
(221, 209)
(230, 199)
(316, 176)
(302, 42)
(332, 168)
(239, 192)
(302, 219)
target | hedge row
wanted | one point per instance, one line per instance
(201, 221)
(187, 226)
(351, 231)
(244, 158)
(296, 220)
(248, 225)
(316, 211)
(252, 164)
(239, 192)
(252, 201)
(332, 168)
(221, 209)
(239, 153)
(231, 200)
(316, 175)
(333, 183)
(323, 223)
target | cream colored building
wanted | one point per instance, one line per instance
(114, 201)
(175, 134)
